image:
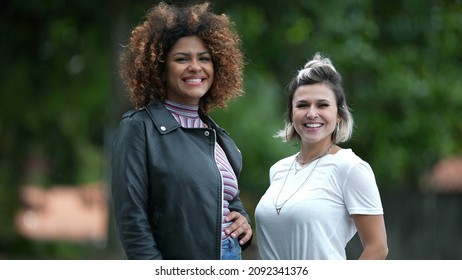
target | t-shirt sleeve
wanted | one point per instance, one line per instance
(361, 192)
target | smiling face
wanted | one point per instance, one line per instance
(314, 114)
(189, 71)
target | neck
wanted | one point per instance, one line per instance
(182, 109)
(308, 155)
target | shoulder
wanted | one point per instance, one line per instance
(154, 114)
(347, 162)
(131, 125)
(346, 157)
(282, 164)
(155, 108)
(133, 122)
(135, 114)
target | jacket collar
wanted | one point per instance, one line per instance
(165, 122)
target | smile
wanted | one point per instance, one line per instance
(313, 125)
(192, 81)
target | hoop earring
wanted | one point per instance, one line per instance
(336, 132)
(287, 131)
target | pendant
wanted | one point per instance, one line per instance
(278, 210)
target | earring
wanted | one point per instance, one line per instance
(287, 131)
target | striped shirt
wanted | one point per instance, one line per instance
(188, 117)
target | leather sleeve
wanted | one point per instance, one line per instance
(130, 193)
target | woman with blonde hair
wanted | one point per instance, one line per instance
(321, 196)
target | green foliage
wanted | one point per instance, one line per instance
(400, 71)
(54, 82)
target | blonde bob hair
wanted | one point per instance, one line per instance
(319, 70)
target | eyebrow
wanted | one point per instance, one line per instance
(317, 100)
(188, 53)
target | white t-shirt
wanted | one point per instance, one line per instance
(315, 223)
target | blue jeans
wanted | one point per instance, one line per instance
(230, 249)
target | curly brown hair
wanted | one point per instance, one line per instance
(143, 60)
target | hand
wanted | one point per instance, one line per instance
(240, 227)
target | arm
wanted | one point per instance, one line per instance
(241, 226)
(371, 231)
(130, 192)
(363, 201)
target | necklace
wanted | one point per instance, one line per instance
(306, 164)
(303, 164)
(277, 206)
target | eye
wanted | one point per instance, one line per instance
(181, 59)
(301, 105)
(205, 59)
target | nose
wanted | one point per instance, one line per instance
(194, 66)
(312, 113)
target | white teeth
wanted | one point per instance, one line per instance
(313, 125)
(193, 80)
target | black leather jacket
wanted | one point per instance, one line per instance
(166, 187)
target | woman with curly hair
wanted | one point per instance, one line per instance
(174, 170)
